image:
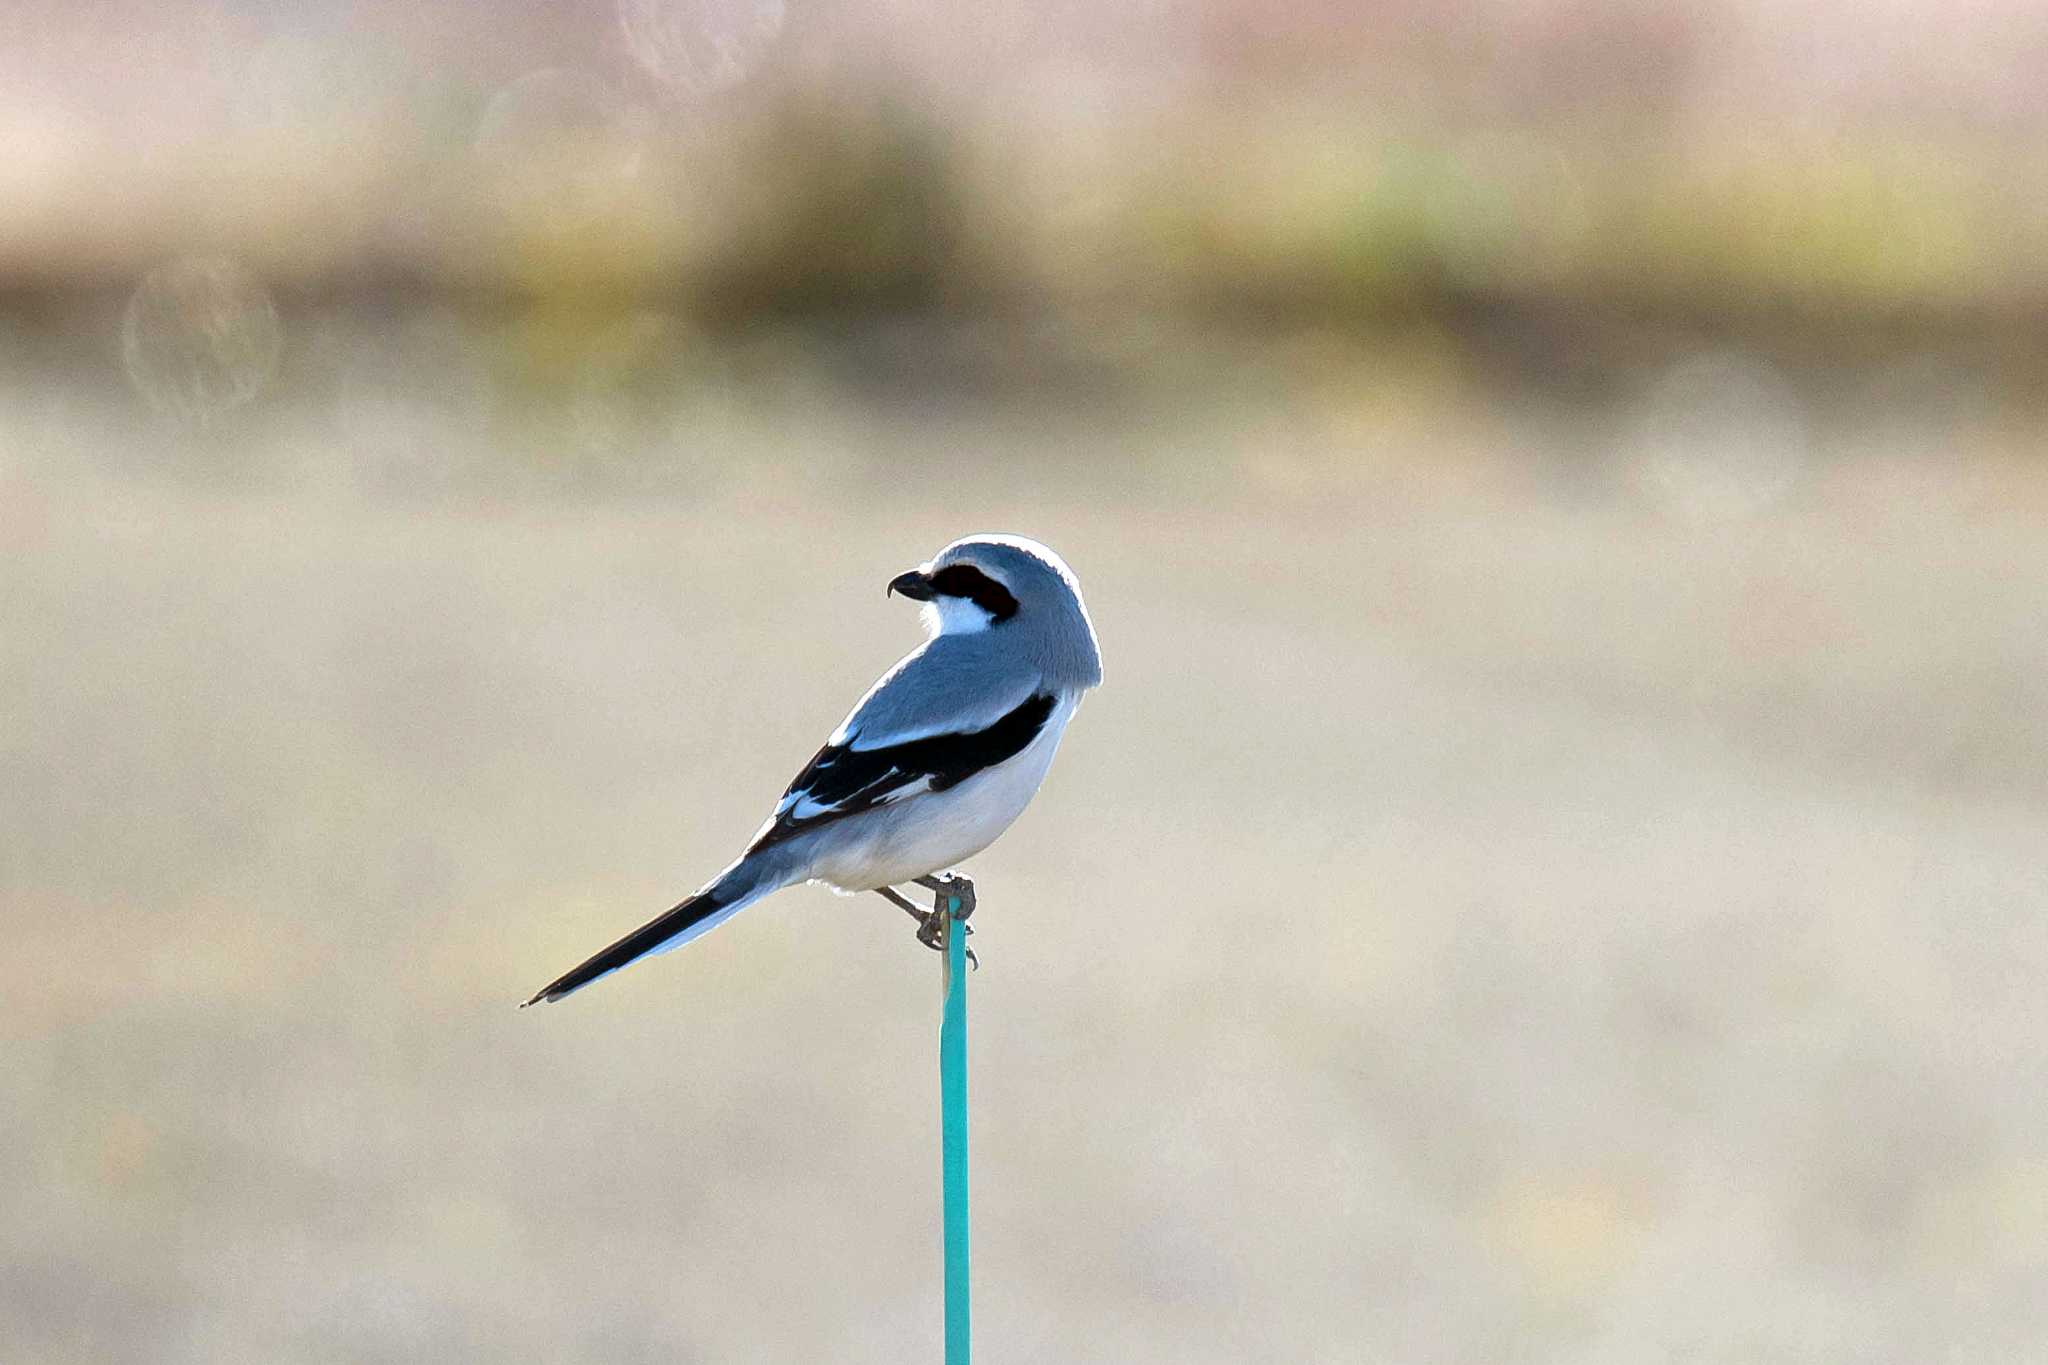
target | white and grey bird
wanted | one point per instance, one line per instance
(938, 759)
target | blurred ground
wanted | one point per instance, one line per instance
(1554, 874)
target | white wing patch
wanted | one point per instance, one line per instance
(802, 806)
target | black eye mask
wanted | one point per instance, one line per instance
(964, 580)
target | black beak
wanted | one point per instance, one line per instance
(915, 585)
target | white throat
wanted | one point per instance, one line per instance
(954, 616)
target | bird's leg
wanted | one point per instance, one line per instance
(931, 924)
(897, 899)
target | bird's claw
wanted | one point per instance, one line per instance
(931, 932)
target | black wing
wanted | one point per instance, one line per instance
(841, 780)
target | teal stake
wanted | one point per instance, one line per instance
(953, 1130)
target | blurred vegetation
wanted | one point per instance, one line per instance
(848, 199)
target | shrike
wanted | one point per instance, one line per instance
(937, 760)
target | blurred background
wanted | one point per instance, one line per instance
(1555, 874)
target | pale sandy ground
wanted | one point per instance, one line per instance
(1498, 909)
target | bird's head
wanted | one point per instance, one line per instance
(1005, 583)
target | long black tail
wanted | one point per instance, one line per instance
(669, 930)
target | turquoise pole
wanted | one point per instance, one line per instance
(953, 1131)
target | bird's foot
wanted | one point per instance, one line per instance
(950, 884)
(952, 903)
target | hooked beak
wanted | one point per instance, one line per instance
(915, 585)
